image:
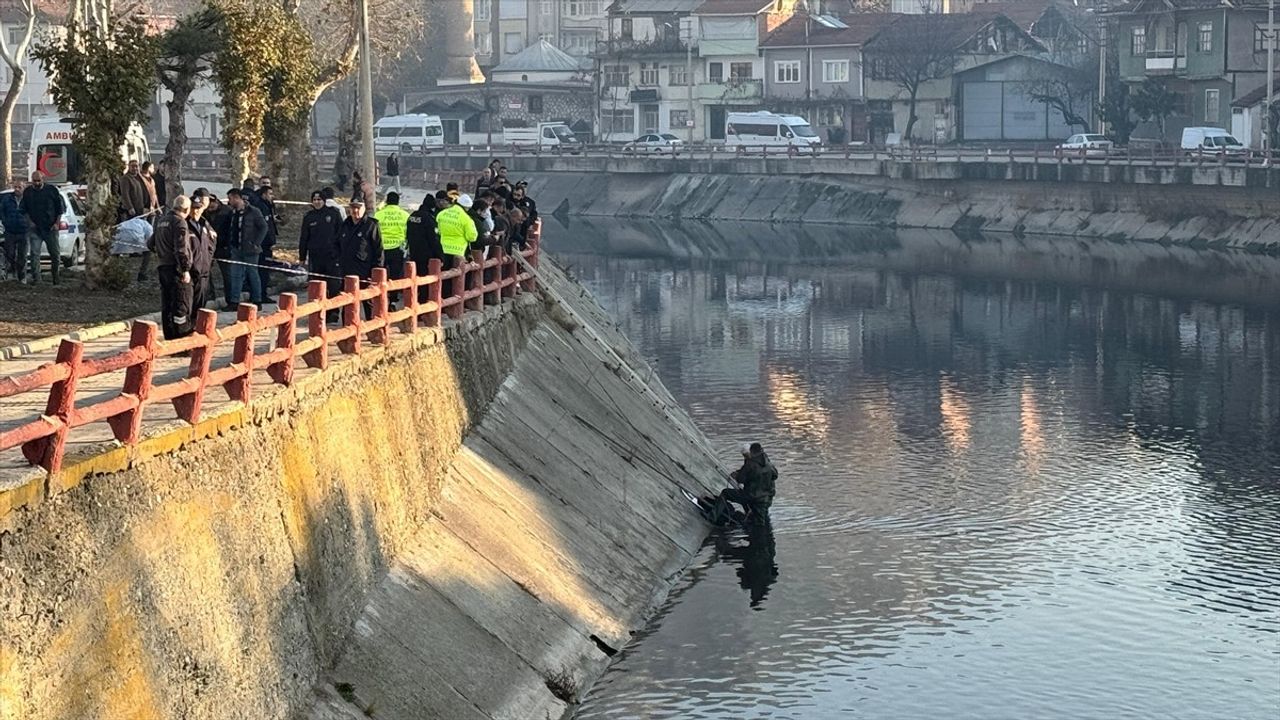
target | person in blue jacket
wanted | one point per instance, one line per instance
(15, 230)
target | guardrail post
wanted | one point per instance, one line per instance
(351, 315)
(241, 387)
(509, 271)
(474, 280)
(378, 279)
(286, 337)
(459, 288)
(188, 407)
(494, 297)
(47, 451)
(127, 426)
(317, 327)
(433, 292)
(411, 297)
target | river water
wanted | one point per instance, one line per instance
(1019, 478)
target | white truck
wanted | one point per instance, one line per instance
(770, 132)
(547, 134)
(408, 133)
(54, 153)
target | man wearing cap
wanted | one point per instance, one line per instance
(203, 242)
(756, 479)
(420, 235)
(359, 245)
(172, 245)
(457, 231)
(393, 222)
(318, 242)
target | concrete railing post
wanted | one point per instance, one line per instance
(127, 426)
(433, 292)
(410, 324)
(317, 292)
(474, 277)
(381, 304)
(188, 406)
(286, 339)
(241, 387)
(47, 451)
(351, 317)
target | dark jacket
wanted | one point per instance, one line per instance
(15, 223)
(172, 242)
(162, 189)
(359, 246)
(393, 166)
(319, 238)
(220, 223)
(421, 236)
(43, 206)
(530, 209)
(247, 230)
(268, 210)
(134, 197)
(759, 478)
(202, 245)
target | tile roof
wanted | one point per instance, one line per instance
(862, 27)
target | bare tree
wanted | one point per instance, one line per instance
(185, 52)
(911, 52)
(15, 56)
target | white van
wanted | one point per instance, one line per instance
(1211, 140)
(768, 131)
(547, 134)
(407, 133)
(53, 151)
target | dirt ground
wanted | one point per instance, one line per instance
(31, 312)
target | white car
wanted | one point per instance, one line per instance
(1085, 144)
(70, 231)
(654, 143)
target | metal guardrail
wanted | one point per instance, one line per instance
(43, 439)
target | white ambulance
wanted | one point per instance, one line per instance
(53, 151)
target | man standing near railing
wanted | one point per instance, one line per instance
(457, 231)
(393, 174)
(246, 229)
(202, 247)
(393, 224)
(172, 245)
(360, 246)
(423, 238)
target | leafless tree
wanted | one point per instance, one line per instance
(911, 52)
(15, 56)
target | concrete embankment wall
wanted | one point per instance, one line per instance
(1201, 215)
(455, 529)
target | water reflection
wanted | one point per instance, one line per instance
(755, 559)
(1001, 496)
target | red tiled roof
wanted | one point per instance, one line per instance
(862, 27)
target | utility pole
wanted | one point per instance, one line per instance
(1102, 72)
(1271, 72)
(368, 162)
(688, 74)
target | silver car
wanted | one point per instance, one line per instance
(654, 143)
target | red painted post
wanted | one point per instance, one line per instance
(475, 278)
(47, 451)
(351, 315)
(127, 426)
(411, 298)
(241, 388)
(380, 306)
(188, 407)
(433, 292)
(317, 327)
(286, 337)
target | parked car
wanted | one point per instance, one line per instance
(1087, 144)
(1211, 140)
(70, 231)
(654, 142)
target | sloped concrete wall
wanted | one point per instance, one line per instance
(386, 539)
(1241, 217)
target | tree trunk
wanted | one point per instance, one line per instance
(275, 167)
(182, 86)
(6, 122)
(241, 164)
(102, 269)
(301, 165)
(911, 118)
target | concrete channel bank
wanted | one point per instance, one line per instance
(466, 529)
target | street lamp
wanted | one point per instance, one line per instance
(687, 29)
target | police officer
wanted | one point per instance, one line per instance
(318, 241)
(203, 244)
(172, 245)
(393, 222)
(359, 245)
(421, 237)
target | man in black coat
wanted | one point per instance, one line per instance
(359, 246)
(318, 242)
(43, 206)
(246, 231)
(172, 245)
(203, 243)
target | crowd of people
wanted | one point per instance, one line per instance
(334, 241)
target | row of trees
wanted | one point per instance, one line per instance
(270, 61)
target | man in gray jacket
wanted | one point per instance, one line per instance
(246, 229)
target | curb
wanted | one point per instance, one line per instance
(84, 335)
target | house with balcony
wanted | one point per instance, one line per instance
(1207, 53)
(729, 38)
(813, 68)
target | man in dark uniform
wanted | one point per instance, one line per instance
(318, 242)
(203, 242)
(171, 244)
(756, 480)
(359, 246)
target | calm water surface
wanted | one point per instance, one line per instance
(1003, 494)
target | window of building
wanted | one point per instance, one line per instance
(1082, 44)
(835, 71)
(679, 119)
(622, 122)
(547, 7)
(15, 36)
(580, 43)
(739, 71)
(879, 69)
(547, 37)
(483, 10)
(483, 43)
(648, 74)
(627, 30)
(649, 117)
(471, 124)
(535, 104)
(1212, 105)
(512, 43)
(786, 71)
(1204, 37)
(715, 72)
(582, 8)
(1260, 38)
(616, 75)
(678, 75)
(1138, 41)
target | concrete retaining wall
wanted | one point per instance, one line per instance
(1214, 215)
(453, 530)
